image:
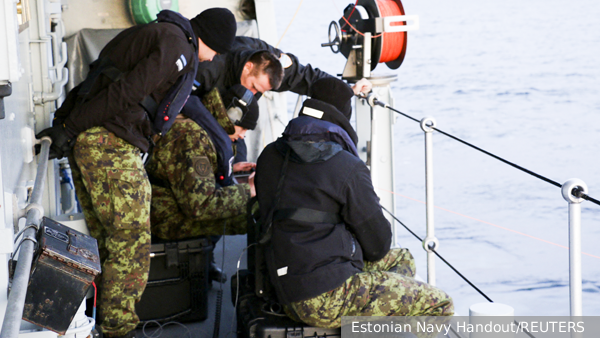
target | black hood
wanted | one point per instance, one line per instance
(327, 112)
(312, 140)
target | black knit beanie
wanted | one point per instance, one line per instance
(216, 28)
(335, 92)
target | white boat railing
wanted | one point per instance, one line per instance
(430, 243)
(571, 191)
(574, 192)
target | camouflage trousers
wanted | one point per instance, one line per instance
(188, 228)
(114, 192)
(384, 288)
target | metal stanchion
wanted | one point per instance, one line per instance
(430, 242)
(570, 190)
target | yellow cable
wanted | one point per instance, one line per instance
(289, 24)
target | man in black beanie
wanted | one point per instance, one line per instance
(335, 92)
(215, 29)
(133, 92)
(326, 240)
(338, 94)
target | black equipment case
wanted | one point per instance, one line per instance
(65, 264)
(258, 318)
(177, 288)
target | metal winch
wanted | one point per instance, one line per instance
(371, 32)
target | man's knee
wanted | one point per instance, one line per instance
(397, 260)
(435, 302)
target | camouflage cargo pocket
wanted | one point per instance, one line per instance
(130, 196)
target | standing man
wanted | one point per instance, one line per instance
(135, 89)
(327, 241)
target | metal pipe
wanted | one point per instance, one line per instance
(57, 90)
(298, 105)
(16, 298)
(569, 190)
(430, 243)
(366, 56)
(59, 49)
(268, 97)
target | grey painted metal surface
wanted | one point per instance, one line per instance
(375, 130)
(16, 298)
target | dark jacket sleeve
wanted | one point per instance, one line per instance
(61, 114)
(210, 75)
(299, 78)
(120, 97)
(364, 217)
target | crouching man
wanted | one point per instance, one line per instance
(191, 170)
(328, 242)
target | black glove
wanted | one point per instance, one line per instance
(62, 142)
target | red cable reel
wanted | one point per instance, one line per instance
(381, 20)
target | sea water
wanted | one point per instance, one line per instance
(520, 79)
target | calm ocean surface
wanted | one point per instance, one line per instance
(520, 79)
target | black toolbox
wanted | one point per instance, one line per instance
(258, 318)
(65, 264)
(177, 288)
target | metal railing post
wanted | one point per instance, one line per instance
(34, 212)
(571, 191)
(430, 242)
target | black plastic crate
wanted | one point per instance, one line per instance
(177, 288)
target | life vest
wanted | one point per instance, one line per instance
(195, 110)
(162, 115)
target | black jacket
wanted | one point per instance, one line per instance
(306, 259)
(150, 59)
(225, 70)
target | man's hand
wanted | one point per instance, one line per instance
(243, 166)
(362, 86)
(251, 183)
(61, 141)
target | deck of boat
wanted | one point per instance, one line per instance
(234, 246)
